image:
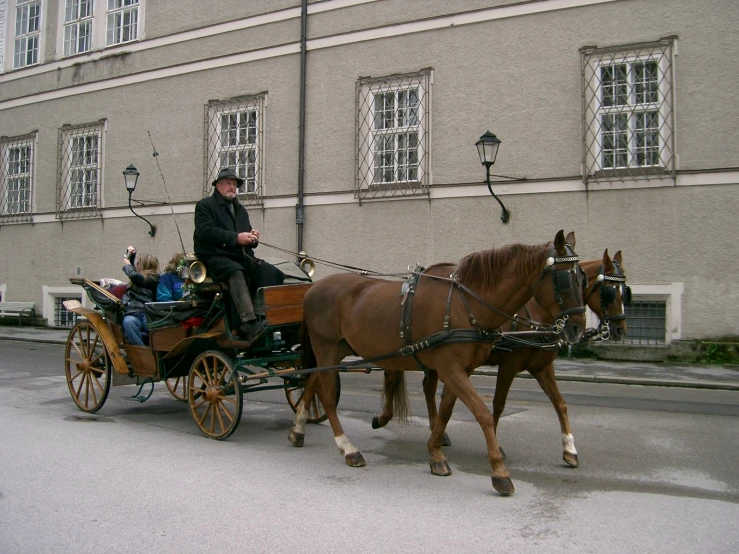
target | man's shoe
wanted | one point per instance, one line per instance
(252, 329)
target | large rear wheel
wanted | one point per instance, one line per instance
(87, 367)
(294, 394)
(214, 395)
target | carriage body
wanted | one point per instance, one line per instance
(191, 347)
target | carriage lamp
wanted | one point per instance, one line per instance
(487, 147)
(131, 177)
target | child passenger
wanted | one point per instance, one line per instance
(144, 278)
(170, 284)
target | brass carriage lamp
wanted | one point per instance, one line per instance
(131, 177)
(487, 147)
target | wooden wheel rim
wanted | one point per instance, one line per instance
(177, 387)
(87, 367)
(216, 402)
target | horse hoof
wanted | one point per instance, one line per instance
(445, 440)
(571, 459)
(502, 453)
(355, 460)
(296, 439)
(441, 469)
(376, 423)
(503, 485)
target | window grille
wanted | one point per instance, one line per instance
(78, 26)
(628, 116)
(234, 138)
(16, 178)
(646, 322)
(123, 21)
(79, 180)
(27, 32)
(62, 316)
(392, 135)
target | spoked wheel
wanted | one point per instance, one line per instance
(177, 387)
(87, 367)
(317, 414)
(215, 400)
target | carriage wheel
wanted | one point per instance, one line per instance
(87, 367)
(294, 394)
(177, 387)
(215, 400)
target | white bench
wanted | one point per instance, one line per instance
(18, 309)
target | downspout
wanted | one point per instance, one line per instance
(299, 207)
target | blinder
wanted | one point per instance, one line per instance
(608, 294)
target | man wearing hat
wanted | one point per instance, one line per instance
(225, 242)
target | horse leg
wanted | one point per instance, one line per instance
(548, 383)
(430, 382)
(327, 394)
(388, 393)
(459, 384)
(438, 463)
(506, 374)
(297, 433)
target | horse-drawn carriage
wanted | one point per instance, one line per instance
(445, 320)
(191, 347)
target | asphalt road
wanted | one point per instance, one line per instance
(658, 473)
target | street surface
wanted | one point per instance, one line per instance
(658, 473)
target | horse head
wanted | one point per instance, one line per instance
(607, 294)
(564, 297)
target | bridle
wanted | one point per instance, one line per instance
(564, 280)
(609, 283)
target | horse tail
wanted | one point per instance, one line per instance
(307, 356)
(400, 399)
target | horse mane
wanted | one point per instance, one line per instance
(483, 268)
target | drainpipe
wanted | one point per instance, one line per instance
(299, 208)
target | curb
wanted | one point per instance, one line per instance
(644, 382)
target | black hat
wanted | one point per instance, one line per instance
(228, 173)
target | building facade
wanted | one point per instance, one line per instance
(354, 124)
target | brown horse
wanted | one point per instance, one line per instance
(349, 314)
(604, 295)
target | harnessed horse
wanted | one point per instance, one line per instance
(605, 293)
(349, 314)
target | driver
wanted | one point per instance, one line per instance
(225, 241)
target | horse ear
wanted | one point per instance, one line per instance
(559, 241)
(607, 264)
(571, 239)
(618, 258)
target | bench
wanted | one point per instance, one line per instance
(18, 309)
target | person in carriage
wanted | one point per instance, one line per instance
(224, 241)
(144, 279)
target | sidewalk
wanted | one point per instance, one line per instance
(585, 370)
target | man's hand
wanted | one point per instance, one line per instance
(247, 239)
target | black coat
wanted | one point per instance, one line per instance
(143, 289)
(216, 231)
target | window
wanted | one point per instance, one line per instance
(80, 170)
(3, 16)
(646, 321)
(16, 178)
(27, 32)
(78, 26)
(628, 116)
(53, 304)
(392, 135)
(234, 138)
(123, 21)
(63, 317)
